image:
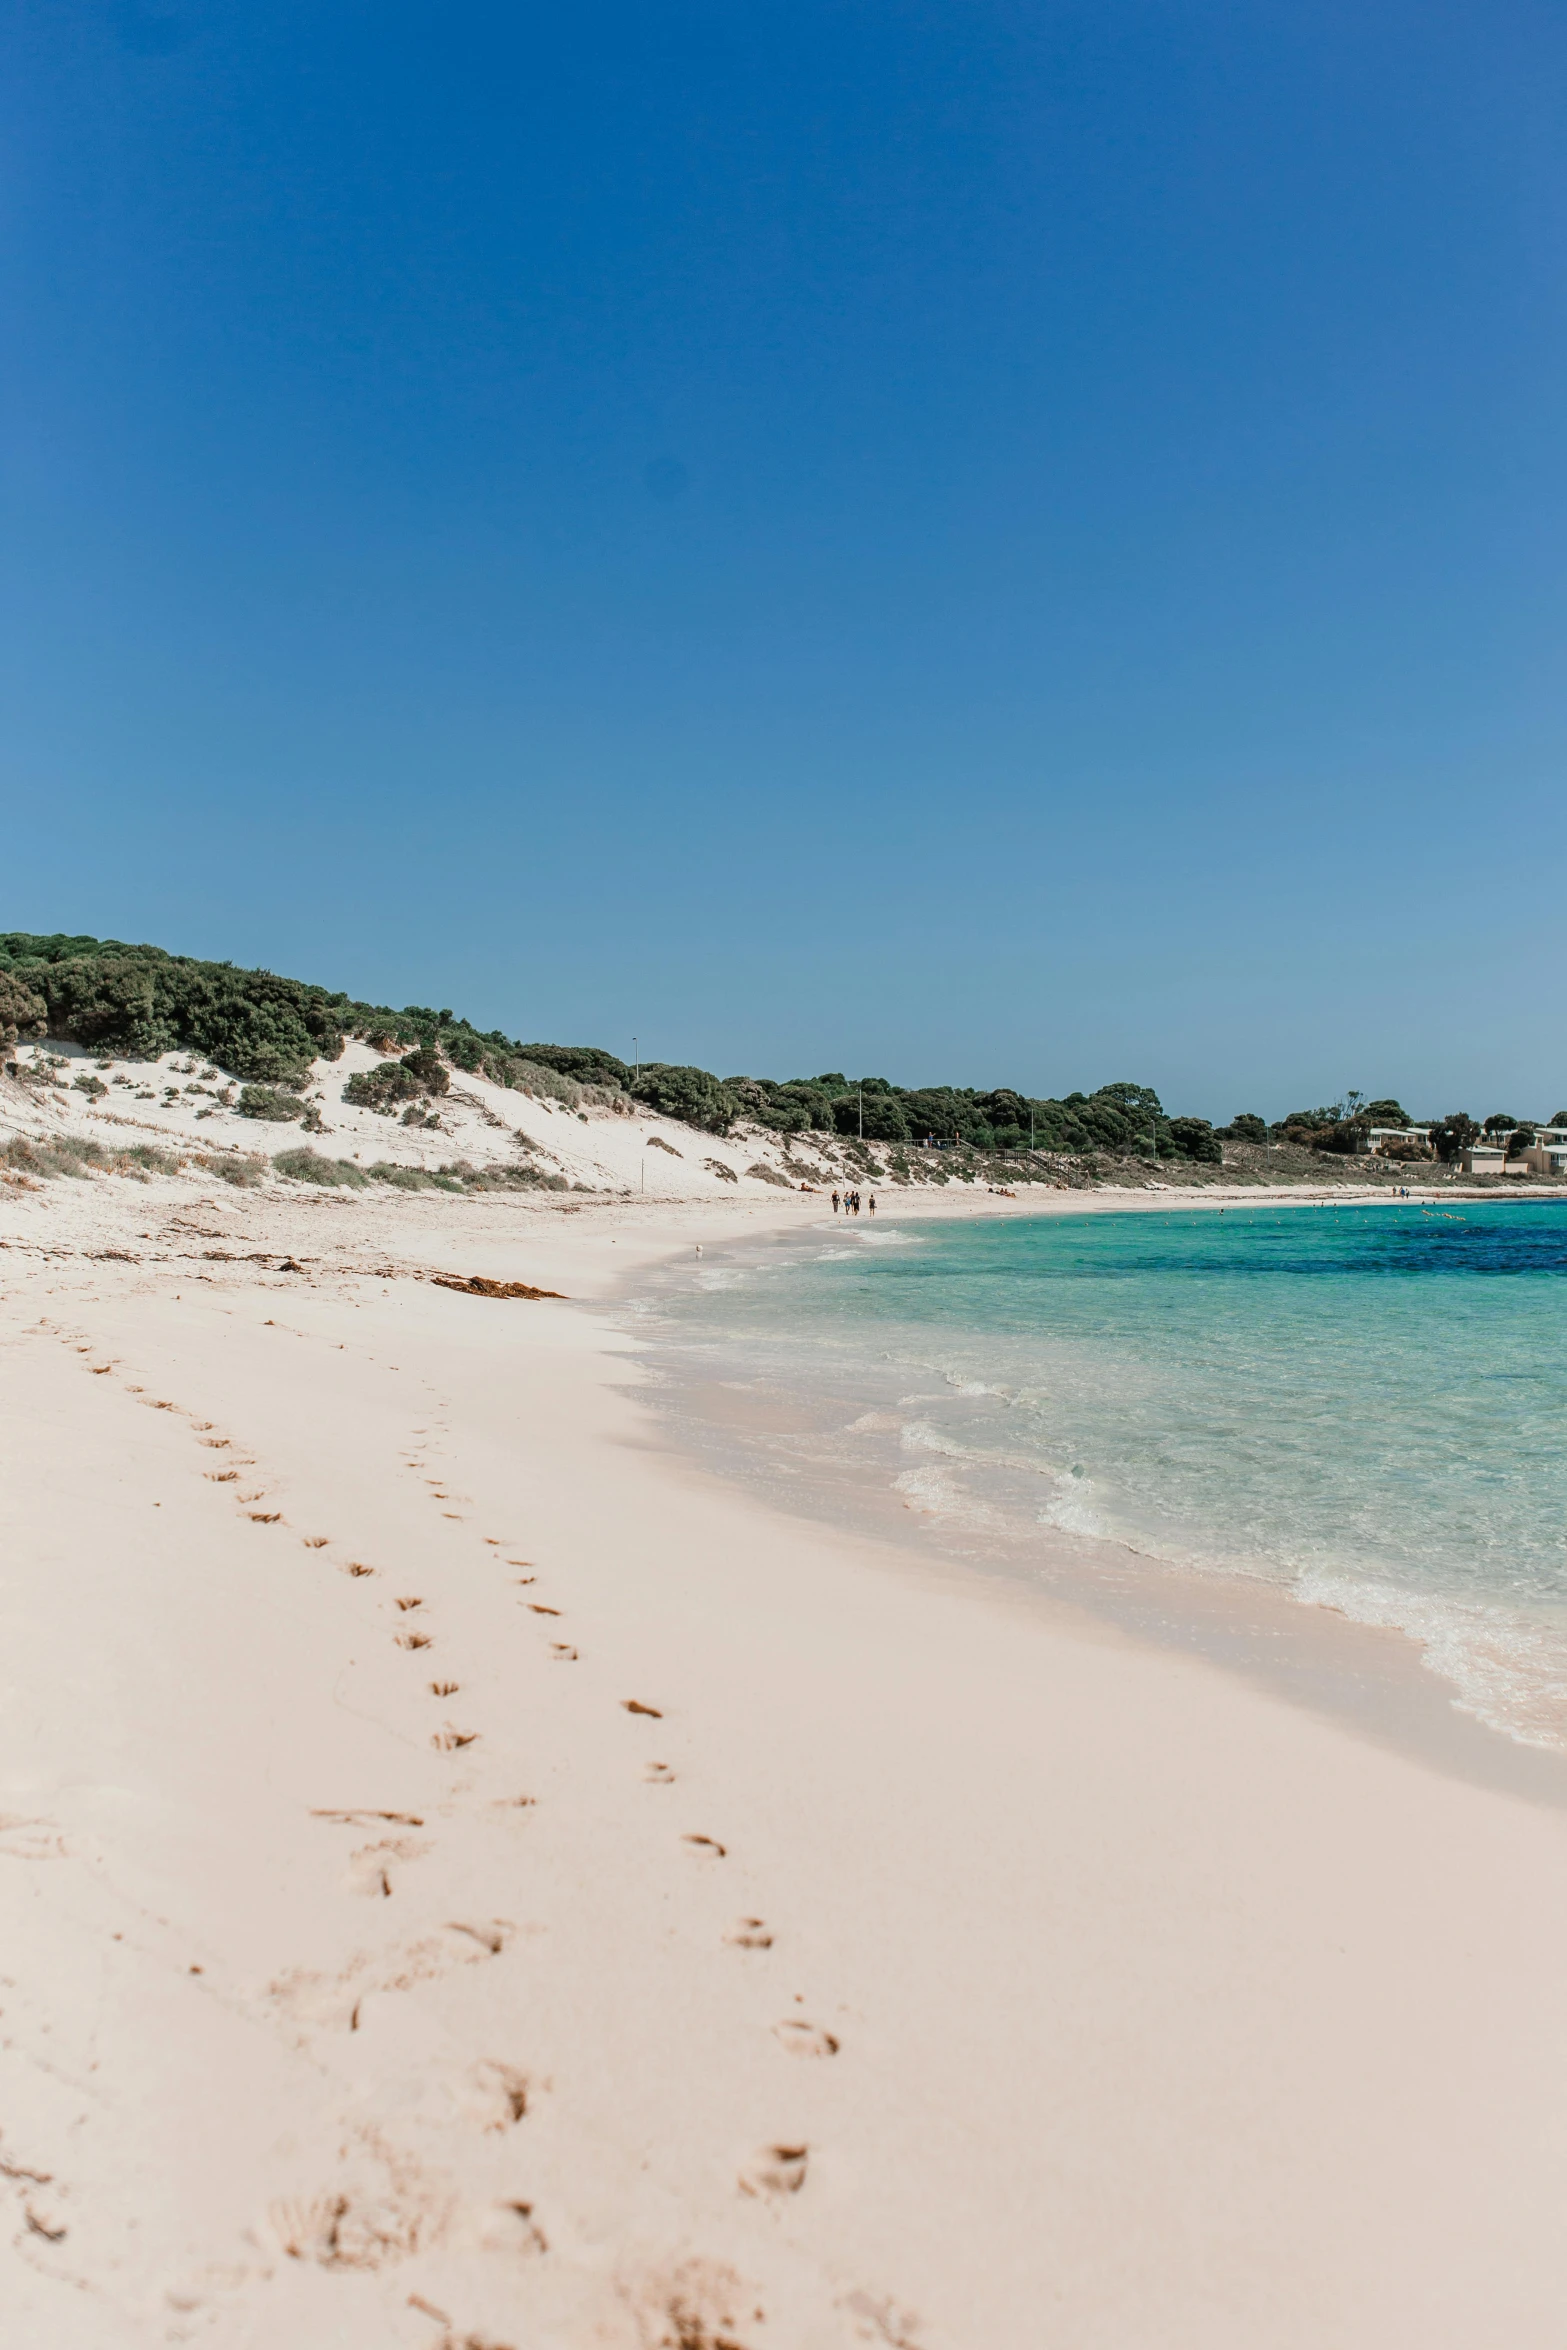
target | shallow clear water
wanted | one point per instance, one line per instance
(1367, 1405)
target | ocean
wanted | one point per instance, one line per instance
(1363, 1405)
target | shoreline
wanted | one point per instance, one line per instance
(1379, 1678)
(1162, 2010)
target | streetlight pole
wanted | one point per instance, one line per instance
(862, 1113)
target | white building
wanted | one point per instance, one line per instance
(1378, 1137)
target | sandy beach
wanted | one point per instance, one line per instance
(472, 1879)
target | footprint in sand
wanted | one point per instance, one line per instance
(658, 1774)
(29, 1839)
(749, 1934)
(882, 2321)
(406, 1604)
(803, 2039)
(563, 1652)
(371, 1871)
(343, 2231)
(774, 2170)
(696, 2305)
(489, 1938)
(414, 1640)
(508, 2227)
(708, 1846)
(502, 2094)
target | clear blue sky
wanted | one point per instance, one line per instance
(978, 541)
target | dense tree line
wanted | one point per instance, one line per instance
(136, 1002)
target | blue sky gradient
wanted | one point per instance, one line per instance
(980, 542)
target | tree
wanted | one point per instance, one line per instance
(883, 1115)
(588, 1063)
(1245, 1126)
(1194, 1138)
(1305, 1123)
(1388, 1113)
(1003, 1108)
(1454, 1134)
(23, 1011)
(694, 1096)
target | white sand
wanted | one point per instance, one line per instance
(1165, 2013)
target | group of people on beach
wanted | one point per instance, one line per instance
(850, 1203)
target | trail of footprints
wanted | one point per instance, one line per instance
(352, 2229)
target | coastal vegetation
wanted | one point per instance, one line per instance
(138, 1002)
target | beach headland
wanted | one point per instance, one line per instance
(476, 1878)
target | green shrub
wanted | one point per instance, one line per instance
(692, 1095)
(498, 1178)
(1194, 1138)
(307, 1166)
(267, 1101)
(589, 1064)
(61, 1154)
(246, 1172)
(1245, 1126)
(138, 1002)
(544, 1083)
(75, 1154)
(416, 1077)
(403, 1178)
(23, 1011)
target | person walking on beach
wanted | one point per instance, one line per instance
(871, 1203)
(835, 1203)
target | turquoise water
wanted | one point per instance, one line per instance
(1366, 1405)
